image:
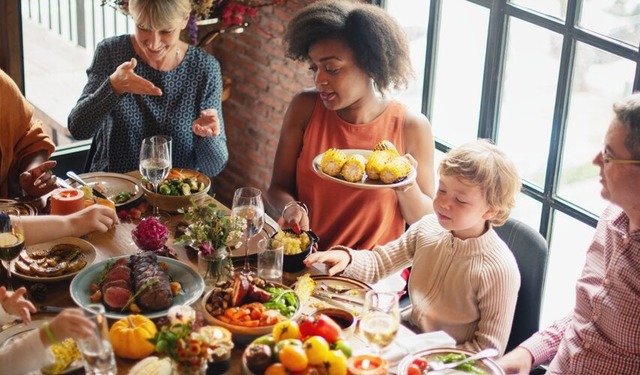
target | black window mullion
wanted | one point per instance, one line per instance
(493, 71)
(433, 34)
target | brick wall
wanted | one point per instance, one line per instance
(264, 81)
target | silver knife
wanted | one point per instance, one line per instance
(49, 309)
(331, 297)
(72, 175)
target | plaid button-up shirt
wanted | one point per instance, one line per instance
(602, 335)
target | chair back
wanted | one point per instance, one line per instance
(531, 253)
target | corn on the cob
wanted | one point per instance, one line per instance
(386, 145)
(65, 352)
(353, 168)
(376, 162)
(304, 287)
(332, 161)
(395, 170)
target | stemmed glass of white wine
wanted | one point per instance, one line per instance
(11, 239)
(248, 206)
(155, 164)
(380, 319)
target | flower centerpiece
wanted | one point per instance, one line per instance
(189, 343)
(212, 232)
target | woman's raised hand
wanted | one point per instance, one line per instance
(125, 80)
(208, 124)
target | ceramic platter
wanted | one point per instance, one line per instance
(112, 184)
(25, 208)
(356, 294)
(488, 366)
(191, 281)
(366, 183)
(7, 336)
(87, 249)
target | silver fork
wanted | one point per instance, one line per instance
(438, 366)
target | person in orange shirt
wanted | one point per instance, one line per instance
(356, 53)
(25, 148)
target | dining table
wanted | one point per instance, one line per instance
(117, 241)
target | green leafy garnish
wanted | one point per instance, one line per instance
(144, 286)
(283, 300)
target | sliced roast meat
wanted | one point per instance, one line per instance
(119, 283)
(116, 298)
(151, 282)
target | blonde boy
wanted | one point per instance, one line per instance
(465, 279)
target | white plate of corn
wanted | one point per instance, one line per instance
(364, 169)
(67, 355)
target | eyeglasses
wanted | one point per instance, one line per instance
(606, 157)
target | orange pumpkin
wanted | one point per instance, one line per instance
(129, 336)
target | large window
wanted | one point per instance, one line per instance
(539, 78)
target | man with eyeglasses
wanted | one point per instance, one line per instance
(602, 334)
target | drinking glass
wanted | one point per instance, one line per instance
(155, 163)
(380, 319)
(11, 239)
(96, 350)
(247, 205)
(270, 256)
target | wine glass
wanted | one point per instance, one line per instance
(11, 239)
(380, 319)
(247, 205)
(155, 163)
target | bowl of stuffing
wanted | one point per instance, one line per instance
(297, 246)
(178, 190)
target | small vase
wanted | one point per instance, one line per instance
(215, 268)
(178, 368)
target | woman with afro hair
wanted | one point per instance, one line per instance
(356, 53)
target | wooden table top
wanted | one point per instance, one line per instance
(118, 242)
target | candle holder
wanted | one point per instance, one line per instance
(367, 364)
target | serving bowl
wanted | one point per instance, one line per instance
(243, 334)
(345, 319)
(172, 203)
(295, 262)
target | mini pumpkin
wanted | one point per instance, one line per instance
(129, 336)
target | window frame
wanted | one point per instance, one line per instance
(488, 127)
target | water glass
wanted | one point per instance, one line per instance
(96, 350)
(270, 255)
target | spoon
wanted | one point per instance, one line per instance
(72, 175)
(438, 366)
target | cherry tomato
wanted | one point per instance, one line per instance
(287, 329)
(293, 358)
(421, 363)
(276, 369)
(336, 363)
(413, 369)
(320, 325)
(286, 342)
(317, 349)
(344, 347)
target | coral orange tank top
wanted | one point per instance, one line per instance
(339, 214)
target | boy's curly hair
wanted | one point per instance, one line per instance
(379, 44)
(482, 164)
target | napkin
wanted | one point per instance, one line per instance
(399, 349)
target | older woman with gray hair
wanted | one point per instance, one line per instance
(151, 83)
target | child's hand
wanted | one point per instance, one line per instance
(71, 323)
(208, 124)
(15, 304)
(96, 217)
(337, 260)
